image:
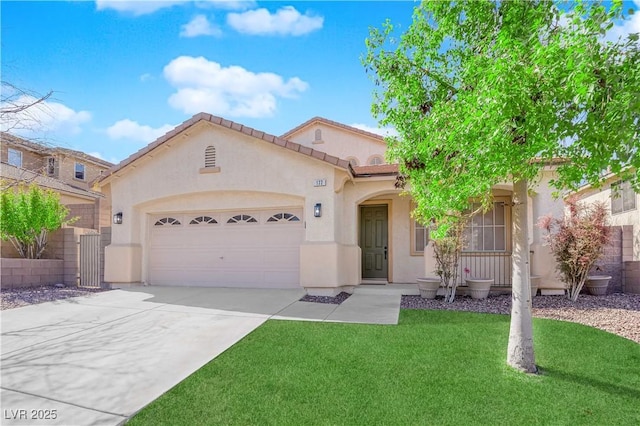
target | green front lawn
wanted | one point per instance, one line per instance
(435, 367)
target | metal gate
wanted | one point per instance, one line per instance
(90, 260)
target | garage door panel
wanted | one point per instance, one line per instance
(263, 254)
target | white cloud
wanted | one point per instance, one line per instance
(146, 77)
(631, 25)
(200, 26)
(382, 131)
(226, 4)
(136, 7)
(145, 7)
(44, 116)
(204, 85)
(286, 21)
(132, 130)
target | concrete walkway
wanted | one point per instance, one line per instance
(101, 358)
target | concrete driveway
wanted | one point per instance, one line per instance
(99, 359)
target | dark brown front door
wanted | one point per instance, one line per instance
(374, 241)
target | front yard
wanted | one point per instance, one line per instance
(435, 367)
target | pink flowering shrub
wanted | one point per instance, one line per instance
(577, 241)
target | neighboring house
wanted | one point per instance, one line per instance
(68, 172)
(623, 207)
(216, 203)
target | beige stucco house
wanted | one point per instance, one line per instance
(216, 203)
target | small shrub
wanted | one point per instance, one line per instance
(447, 246)
(577, 241)
(27, 215)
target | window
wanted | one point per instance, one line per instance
(284, 217)
(79, 171)
(488, 231)
(242, 218)
(376, 160)
(623, 197)
(14, 157)
(167, 221)
(420, 237)
(210, 156)
(203, 220)
(353, 161)
(51, 166)
(317, 137)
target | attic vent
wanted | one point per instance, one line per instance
(210, 156)
(317, 138)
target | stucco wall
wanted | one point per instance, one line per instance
(629, 218)
(340, 142)
(30, 159)
(66, 171)
(253, 174)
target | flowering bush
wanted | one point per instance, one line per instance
(577, 241)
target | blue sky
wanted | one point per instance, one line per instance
(125, 72)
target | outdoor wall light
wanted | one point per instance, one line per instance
(117, 218)
(317, 210)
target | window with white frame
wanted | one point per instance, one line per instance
(487, 231)
(376, 160)
(420, 237)
(79, 171)
(14, 157)
(623, 197)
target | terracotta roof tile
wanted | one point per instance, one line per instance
(233, 126)
(334, 124)
(381, 169)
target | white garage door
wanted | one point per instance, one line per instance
(226, 249)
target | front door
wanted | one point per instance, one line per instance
(374, 241)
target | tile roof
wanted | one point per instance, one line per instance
(378, 170)
(50, 150)
(8, 171)
(332, 123)
(204, 117)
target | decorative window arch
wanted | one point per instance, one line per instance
(242, 218)
(318, 135)
(283, 217)
(203, 220)
(167, 221)
(375, 160)
(353, 161)
(210, 156)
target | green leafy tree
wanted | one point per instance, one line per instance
(485, 92)
(28, 215)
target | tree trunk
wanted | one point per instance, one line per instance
(520, 349)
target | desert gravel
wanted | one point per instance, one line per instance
(616, 313)
(16, 298)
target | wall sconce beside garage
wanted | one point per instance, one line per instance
(117, 218)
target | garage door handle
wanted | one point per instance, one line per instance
(385, 252)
